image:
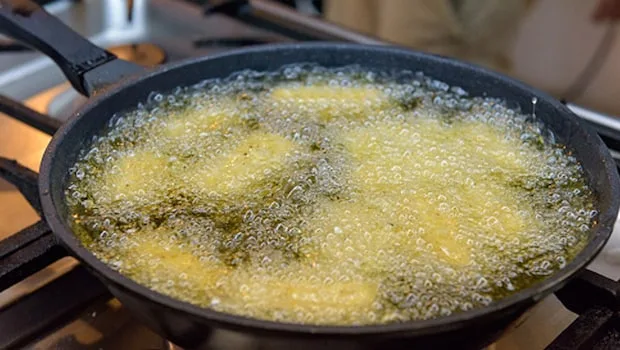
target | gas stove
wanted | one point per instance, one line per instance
(50, 302)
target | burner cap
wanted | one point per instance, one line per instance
(143, 54)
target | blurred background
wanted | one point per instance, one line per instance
(566, 47)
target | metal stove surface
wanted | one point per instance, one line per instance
(32, 78)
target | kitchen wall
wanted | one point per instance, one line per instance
(555, 43)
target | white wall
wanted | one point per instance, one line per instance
(556, 41)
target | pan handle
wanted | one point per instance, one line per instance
(88, 67)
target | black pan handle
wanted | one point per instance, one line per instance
(89, 68)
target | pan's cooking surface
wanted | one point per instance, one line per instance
(337, 197)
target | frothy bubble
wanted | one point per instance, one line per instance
(330, 196)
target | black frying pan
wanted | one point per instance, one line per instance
(114, 85)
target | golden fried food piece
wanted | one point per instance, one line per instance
(192, 122)
(135, 178)
(153, 255)
(328, 102)
(275, 293)
(401, 175)
(255, 160)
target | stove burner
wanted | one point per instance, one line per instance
(144, 54)
(12, 46)
(169, 346)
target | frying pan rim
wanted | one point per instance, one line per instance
(526, 297)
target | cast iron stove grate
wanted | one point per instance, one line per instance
(31, 250)
(593, 297)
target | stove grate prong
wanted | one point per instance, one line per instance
(28, 115)
(24, 179)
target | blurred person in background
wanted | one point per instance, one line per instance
(478, 31)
